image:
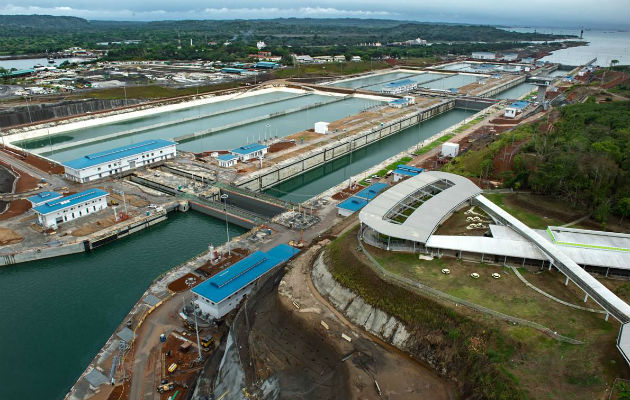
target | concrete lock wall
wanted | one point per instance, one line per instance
(255, 205)
(41, 112)
(242, 222)
(337, 150)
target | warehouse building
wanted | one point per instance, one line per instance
(227, 160)
(224, 291)
(64, 209)
(247, 152)
(110, 162)
(483, 55)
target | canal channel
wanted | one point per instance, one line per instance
(57, 313)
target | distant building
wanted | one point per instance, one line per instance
(247, 152)
(261, 45)
(321, 127)
(43, 197)
(224, 291)
(528, 60)
(323, 59)
(355, 59)
(404, 102)
(266, 65)
(227, 160)
(305, 59)
(509, 57)
(120, 159)
(483, 55)
(63, 209)
(340, 58)
(397, 87)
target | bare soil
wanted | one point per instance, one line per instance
(16, 207)
(179, 285)
(7, 236)
(279, 146)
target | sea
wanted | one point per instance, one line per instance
(606, 45)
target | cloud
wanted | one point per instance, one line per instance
(569, 13)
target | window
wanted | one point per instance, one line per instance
(99, 168)
(94, 208)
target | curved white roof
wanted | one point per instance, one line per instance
(425, 219)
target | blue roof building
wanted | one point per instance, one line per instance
(266, 65)
(222, 292)
(227, 160)
(254, 150)
(64, 209)
(360, 199)
(43, 197)
(401, 86)
(403, 171)
(109, 162)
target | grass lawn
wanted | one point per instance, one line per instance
(434, 144)
(381, 173)
(529, 218)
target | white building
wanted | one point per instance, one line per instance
(224, 291)
(227, 160)
(323, 59)
(261, 45)
(247, 152)
(510, 57)
(450, 149)
(321, 127)
(64, 209)
(398, 87)
(341, 58)
(483, 55)
(355, 59)
(305, 59)
(121, 159)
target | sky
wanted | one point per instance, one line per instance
(605, 14)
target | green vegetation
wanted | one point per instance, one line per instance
(28, 34)
(434, 144)
(469, 124)
(621, 89)
(531, 219)
(536, 364)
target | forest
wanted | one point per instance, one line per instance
(36, 34)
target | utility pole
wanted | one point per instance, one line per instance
(224, 197)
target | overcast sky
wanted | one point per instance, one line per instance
(547, 13)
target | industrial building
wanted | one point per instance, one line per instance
(405, 171)
(224, 291)
(483, 55)
(247, 152)
(227, 160)
(398, 87)
(321, 127)
(121, 159)
(64, 209)
(515, 108)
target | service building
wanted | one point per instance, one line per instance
(64, 209)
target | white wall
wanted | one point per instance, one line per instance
(76, 211)
(218, 310)
(121, 165)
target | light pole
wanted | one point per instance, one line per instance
(224, 197)
(122, 193)
(190, 285)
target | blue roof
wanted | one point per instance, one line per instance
(119, 152)
(519, 104)
(408, 170)
(43, 196)
(353, 204)
(403, 82)
(233, 70)
(19, 72)
(227, 157)
(244, 272)
(371, 191)
(266, 64)
(250, 148)
(68, 201)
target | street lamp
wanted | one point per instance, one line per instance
(190, 284)
(227, 227)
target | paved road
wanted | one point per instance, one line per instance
(54, 180)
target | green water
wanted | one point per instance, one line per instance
(56, 314)
(516, 91)
(307, 185)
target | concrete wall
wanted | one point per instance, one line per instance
(236, 220)
(42, 112)
(41, 253)
(317, 158)
(491, 92)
